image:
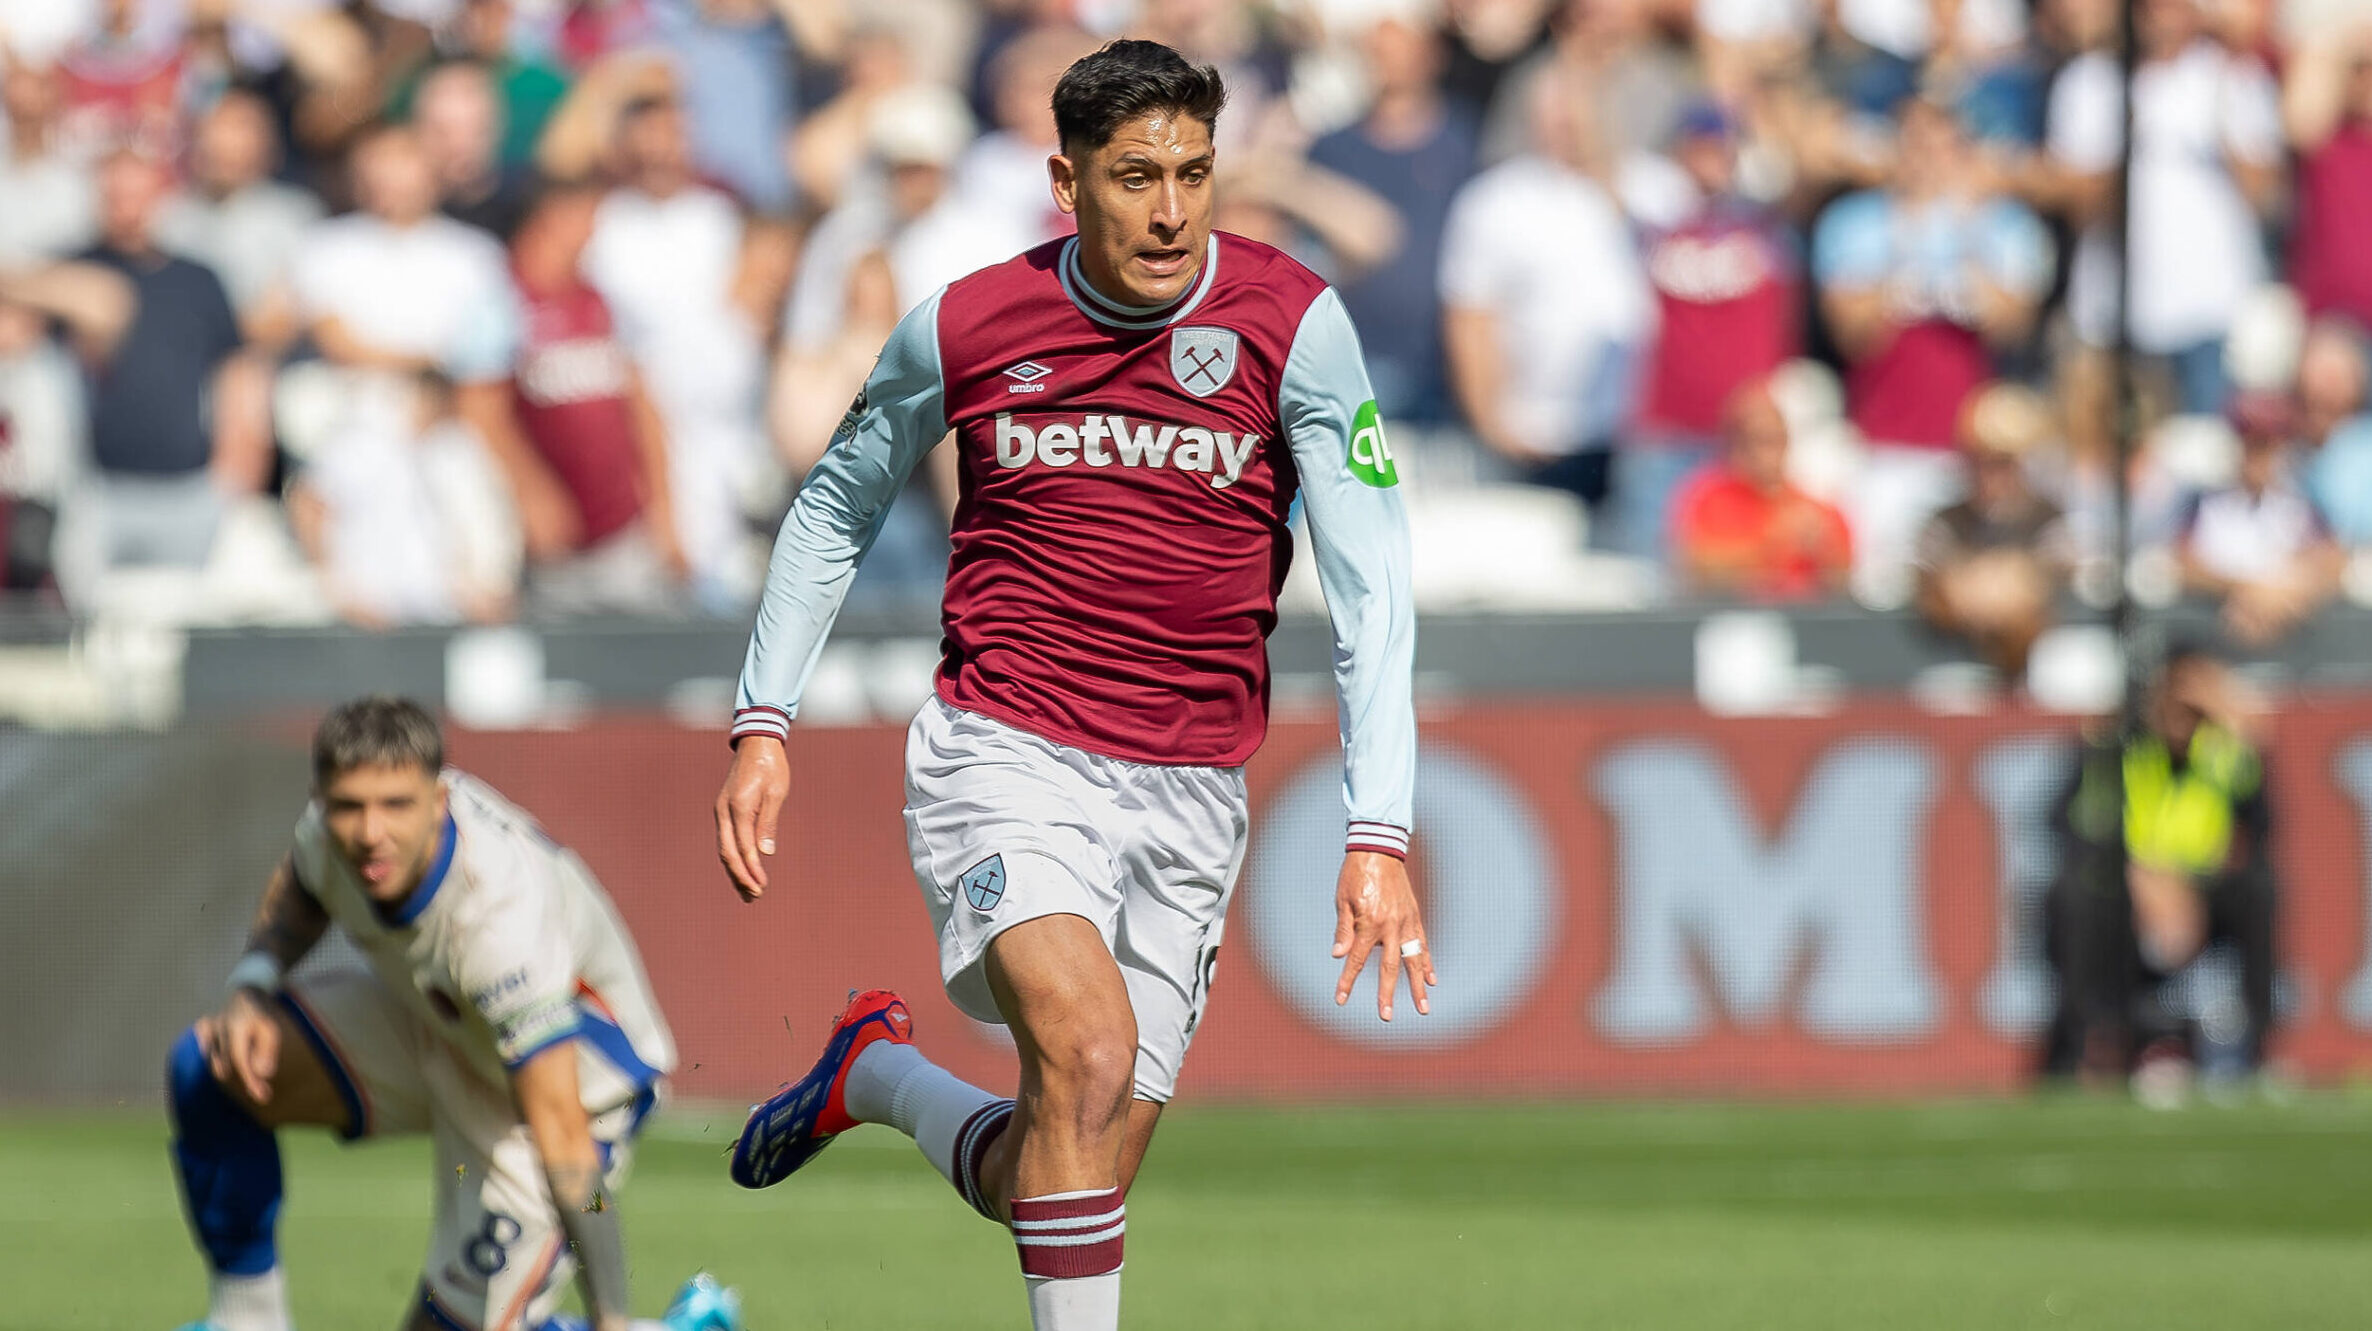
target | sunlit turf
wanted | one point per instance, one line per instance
(2070, 1213)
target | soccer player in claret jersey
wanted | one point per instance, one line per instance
(1134, 411)
(498, 1005)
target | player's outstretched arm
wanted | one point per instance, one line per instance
(894, 422)
(1375, 909)
(1350, 494)
(242, 1041)
(546, 1089)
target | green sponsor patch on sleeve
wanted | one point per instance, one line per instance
(1371, 457)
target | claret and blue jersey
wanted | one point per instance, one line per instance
(1121, 533)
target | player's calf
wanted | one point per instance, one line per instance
(1063, 995)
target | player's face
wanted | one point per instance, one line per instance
(1144, 204)
(384, 819)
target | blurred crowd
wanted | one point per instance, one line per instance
(418, 311)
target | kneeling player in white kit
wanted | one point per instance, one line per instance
(502, 1010)
(1135, 412)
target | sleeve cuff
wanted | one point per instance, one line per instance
(519, 1058)
(1382, 838)
(761, 719)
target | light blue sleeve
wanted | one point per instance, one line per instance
(900, 414)
(2017, 250)
(1853, 246)
(1360, 535)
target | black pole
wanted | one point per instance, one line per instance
(2125, 411)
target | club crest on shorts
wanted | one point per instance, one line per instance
(984, 884)
(1202, 360)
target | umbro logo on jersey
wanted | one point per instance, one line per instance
(1026, 376)
(1107, 441)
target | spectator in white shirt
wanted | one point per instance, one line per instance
(667, 255)
(395, 289)
(395, 284)
(2259, 545)
(1002, 176)
(51, 201)
(1542, 335)
(236, 219)
(2207, 170)
(43, 443)
(900, 234)
(409, 521)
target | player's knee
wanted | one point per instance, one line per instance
(198, 1101)
(1091, 1068)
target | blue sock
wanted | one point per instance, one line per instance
(229, 1166)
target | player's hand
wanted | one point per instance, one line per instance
(1375, 907)
(747, 809)
(242, 1044)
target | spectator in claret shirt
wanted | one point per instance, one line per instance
(1741, 529)
(582, 406)
(1922, 282)
(1414, 149)
(1726, 281)
(2327, 107)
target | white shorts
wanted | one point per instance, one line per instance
(498, 1259)
(1006, 827)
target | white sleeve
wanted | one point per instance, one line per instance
(1360, 535)
(2086, 129)
(312, 278)
(2251, 113)
(900, 414)
(1470, 262)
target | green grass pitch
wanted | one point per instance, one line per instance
(2075, 1214)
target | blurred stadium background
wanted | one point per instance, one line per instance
(1784, 513)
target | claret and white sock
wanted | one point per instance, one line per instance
(1071, 1249)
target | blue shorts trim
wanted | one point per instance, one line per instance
(437, 1313)
(358, 1112)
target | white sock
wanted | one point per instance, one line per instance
(249, 1303)
(1081, 1303)
(894, 1084)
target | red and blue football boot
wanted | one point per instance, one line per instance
(787, 1131)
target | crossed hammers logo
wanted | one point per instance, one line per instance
(1203, 364)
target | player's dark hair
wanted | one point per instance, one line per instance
(1101, 92)
(381, 730)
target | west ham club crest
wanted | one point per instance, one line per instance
(1202, 360)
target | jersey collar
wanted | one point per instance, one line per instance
(410, 907)
(1111, 313)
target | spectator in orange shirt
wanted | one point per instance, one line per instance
(1740, 529)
